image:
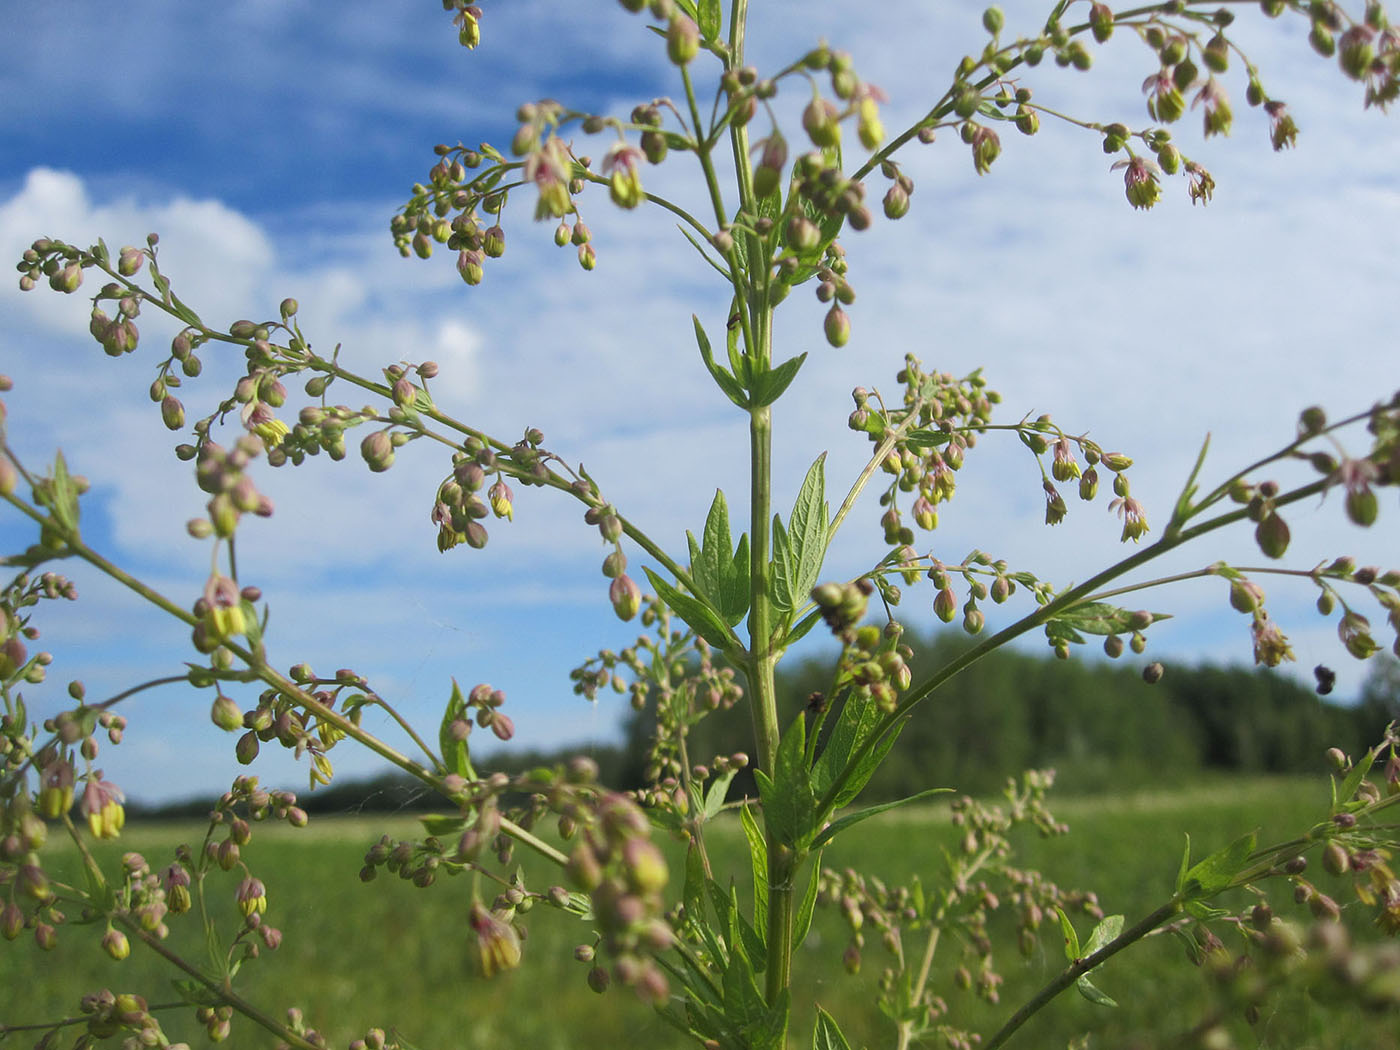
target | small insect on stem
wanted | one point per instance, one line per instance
(733, 320)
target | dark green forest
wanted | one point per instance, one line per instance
(1096, 722)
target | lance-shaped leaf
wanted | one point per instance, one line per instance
(1218, 871)
(722, 378)
(720, 571)
(697, 615)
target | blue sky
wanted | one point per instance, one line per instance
(269, 143)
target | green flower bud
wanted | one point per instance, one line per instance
(1027, 120)
(225, 714)
(1362, 506)
(819, 120)
(1272, 536)
(1101, 21)
(130, 260)
(115, 944)
(378, 451)
(1216, 54)
(626, 597)
(837, 326)
(682, 40)
(945, 605)
(172, 413)
(1322, 40)
(802, 233)
(993, 19)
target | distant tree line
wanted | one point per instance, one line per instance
(1096, 722)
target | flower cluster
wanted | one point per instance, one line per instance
(980, 883)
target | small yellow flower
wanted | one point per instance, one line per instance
(497, 942)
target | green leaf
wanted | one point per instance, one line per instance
(826, 1036)
(781, 587)
(720, 571)
(760, 1027)
(924, 438)
(723, 379)
(1217, 871)
(807, 907)
(865, 768)
(715, 792)
(442, 824)
(769, 386)
(1101, 618)
(697, 615)
(742, 934)
(802, 627)
(1087, 989)
(758, 858)
(807, 528)
(1104, 933)
(734, 600)
(693, 895)
(455, 756)
(62, 496)
(1072, 952)
(738, 363)
(706, 566)
(708, 19)
(1353, 780)
(1185, 865)
(794, 805)
(837, 826)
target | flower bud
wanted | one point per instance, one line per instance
(993, 19)
(1152, 673)
(129, 262)
(378, 451)
(626, 597)
(226, 715)
(1355, 52)
(172, 413)
(115, 944)
(837, 326)
(819, 120)
(682, 40)
(1272, 536)
(1362, 506)
(896, 202)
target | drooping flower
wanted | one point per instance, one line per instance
(259, 420)
(1133, 515)
(1164, 98)
(550, 168)
(1200, 184)
(102, 805)
(1218, 115)
(497, 943)
(1140, 181)
(1282, 131)
(622, 166)
(1271, 648)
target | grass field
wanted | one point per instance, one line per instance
(388, 954)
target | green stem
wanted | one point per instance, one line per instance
(223, 991)
(1077, 969)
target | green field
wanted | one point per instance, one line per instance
(387, 954)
